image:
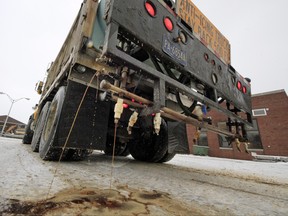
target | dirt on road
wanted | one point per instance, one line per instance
(30, 186)
(95, 201)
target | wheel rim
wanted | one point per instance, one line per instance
(50, 120)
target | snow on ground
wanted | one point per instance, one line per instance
(20, 171)
(276, 172)
(219, 186)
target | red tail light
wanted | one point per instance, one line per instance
(150, 8)
(168, 24)
(244, 90)
(239, 85)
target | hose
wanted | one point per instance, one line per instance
(187, 111)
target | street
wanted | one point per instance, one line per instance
(187, 185)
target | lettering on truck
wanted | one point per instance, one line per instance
(174, 50)
(204, 29)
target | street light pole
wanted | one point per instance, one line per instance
(12, 103)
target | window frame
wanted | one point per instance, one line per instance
(259, 110)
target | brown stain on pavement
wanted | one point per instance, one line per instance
(93, 201)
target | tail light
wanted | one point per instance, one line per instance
(150, 8)
(244, 89)
(239, 85)
(168, 24)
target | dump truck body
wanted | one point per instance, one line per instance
(130, 76)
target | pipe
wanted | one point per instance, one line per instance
(108, 86)
(166, 111)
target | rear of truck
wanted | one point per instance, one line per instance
(131, 75)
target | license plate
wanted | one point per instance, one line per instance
(174, 50)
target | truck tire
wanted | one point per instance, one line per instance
(126, 152)
(167, 157)
(75, 154)
(48, 140)
(39, 127)
(27, 139)
(121, 149)
(150, 147)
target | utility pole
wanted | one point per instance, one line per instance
(12, 103)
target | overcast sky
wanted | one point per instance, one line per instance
(33, 31)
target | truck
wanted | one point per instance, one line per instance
(128, 79)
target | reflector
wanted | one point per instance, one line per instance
(214, 78)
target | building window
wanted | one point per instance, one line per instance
(254, 136)
(259, 112)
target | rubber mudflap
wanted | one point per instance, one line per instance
(91, 125)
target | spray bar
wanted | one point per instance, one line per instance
(166, 112)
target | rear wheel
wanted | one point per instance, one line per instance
(27, 139)
(167, 157)
(75, 154)
(150, 147)
(48, 141)
(39, 127)
(121, 149)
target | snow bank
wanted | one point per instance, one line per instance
(276, 172)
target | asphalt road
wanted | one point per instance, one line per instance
(30, 186)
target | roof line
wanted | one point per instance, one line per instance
(268, 93)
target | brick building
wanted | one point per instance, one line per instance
(12, 124)
(268, 136)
